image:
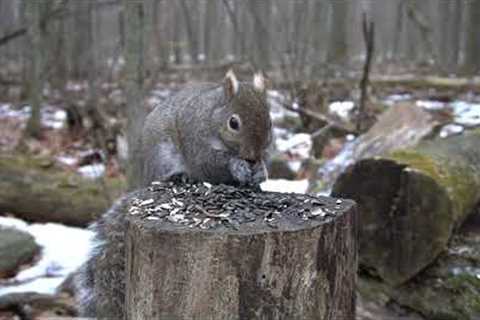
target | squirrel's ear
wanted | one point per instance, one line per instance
(230, 84)
(259, 82)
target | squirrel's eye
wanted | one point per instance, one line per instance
(234, 123)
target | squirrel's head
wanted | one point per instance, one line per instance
(246, 127)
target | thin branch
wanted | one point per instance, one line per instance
(331, 123)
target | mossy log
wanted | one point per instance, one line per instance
(36, 190)
(217, 252)
(411, 201)
(401, 126)
(405, 81)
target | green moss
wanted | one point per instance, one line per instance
(456, 179)
(33, 185)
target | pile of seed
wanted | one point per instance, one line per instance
(206, 206)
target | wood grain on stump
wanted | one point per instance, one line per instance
(197, 251)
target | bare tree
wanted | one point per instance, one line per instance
(134, 82)
(192, 33)
(472, 45)
(338, 49)
(35, 12)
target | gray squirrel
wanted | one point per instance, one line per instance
(217, 133)
(209, 132)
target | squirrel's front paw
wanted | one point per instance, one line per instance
(246, 173)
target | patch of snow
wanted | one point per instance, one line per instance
(341, 109)
(276, 99)
(67, 160)
(294, 165)
(430, 104)
(471, 271)
(350, 137)
(298, 145)
(8, 111)
(64, 250)
(466, 114)
(13, 223)
(282, 185)
(397, 97)
(92, 171)
(40, 285)
(53, 117)
(450, 130)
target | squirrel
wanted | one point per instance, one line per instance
(209, 132)
(217, 133)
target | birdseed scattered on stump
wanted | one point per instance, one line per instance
(205, 206)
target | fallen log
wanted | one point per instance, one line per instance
(401, 126)
(218, 252)
(411, 201)
(36, 190)
(405, 81)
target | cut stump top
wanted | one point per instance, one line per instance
(206, 208)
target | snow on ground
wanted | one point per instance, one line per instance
(282, 185)
(92, 171)
(298, 145)
(64, 249)
(341, 109)
(51, 117)
(466, 114)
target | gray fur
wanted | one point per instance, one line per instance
(100, 281)
(185, 136)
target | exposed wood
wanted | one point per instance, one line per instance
(401, 126)
(34, 190)
(411, 201)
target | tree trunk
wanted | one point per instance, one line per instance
(472, 45)
(411, 201)
(35, 12)
(34, 190)
(337, 49)
(296, 263)
(192, 33)
(134, 84)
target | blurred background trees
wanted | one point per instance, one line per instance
(317, 37)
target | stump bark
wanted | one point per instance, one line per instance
(242, 255)
(411, 201)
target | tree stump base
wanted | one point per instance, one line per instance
(197, 251)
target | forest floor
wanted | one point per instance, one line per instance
(77, 152)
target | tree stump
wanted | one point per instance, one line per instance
(411, 201)
(197, 251)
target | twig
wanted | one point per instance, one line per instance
(369, 38)
(318, 116)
